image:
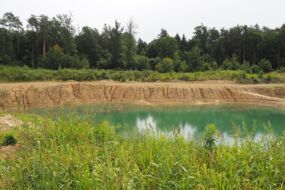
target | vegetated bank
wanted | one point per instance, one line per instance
(26, 74)
(69, 153)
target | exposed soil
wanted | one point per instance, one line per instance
(19, 96)
(7, 122)
(7, 152)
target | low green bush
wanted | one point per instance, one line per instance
(9, 140)
(25, 74)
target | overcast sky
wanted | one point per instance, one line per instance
(176, 16)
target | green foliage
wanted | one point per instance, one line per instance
(52, 43)
(54, 58)
(255, 68)
(88, 45)
(15, 74)
(70, 153)
(265, 65)
(104, 132)
(141, 62)
(210, 137)
(9, 140)
(206, 67)
(194, 59)
(166, 65)
(282, 70)
(164, 46)
(181, 66)
(231, 64)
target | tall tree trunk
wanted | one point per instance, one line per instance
(44, 48)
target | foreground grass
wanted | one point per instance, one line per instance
(73, 154)
(22, 74)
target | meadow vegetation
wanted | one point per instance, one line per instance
(71, 153)
(26, 74)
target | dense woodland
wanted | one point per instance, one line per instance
(53, 43)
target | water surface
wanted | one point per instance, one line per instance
(189, 121)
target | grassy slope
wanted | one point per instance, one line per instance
(21, 74)
(72, 154)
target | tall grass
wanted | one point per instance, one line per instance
(75, 154)
(22, 74)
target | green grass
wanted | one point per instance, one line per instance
(24, 74)
(76, 154)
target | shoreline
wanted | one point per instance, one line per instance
(32, 95)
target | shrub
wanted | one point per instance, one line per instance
(210, 137)
(231, 64)
(265, 65)
(166, 65)
(9, 140)
(206, 67)
(68, 61)
(14, 74)
(181, 66)
(53, 59)
(246, 67)
(255, 68)
(214, 65)
(5, 60)
(282, 70)
(142, 62)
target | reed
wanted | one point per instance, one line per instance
(72, 153)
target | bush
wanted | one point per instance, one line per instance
(9, 140)
(68, 61)
(53, 59)
(5, 60)
(265, 65)
(141, 63)
(210, 137)
(246, 67)
(153, 62)
(255, 69)
(181, 66)
(231, 64)
(282, 70)
(166, 65)
(206, 67)
(15, 74)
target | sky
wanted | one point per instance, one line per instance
(176, 16)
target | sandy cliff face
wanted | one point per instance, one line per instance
(20, 96)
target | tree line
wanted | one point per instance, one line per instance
(53, 43)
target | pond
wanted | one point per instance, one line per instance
(189, 121)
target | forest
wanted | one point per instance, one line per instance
(53, 43)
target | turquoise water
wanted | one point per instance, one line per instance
(190, 121)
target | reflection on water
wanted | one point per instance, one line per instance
(190, 122)
(148, 124)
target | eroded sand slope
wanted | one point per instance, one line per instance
(18, 96)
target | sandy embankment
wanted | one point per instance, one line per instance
(19, 96)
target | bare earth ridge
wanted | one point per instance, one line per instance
(19, 96)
